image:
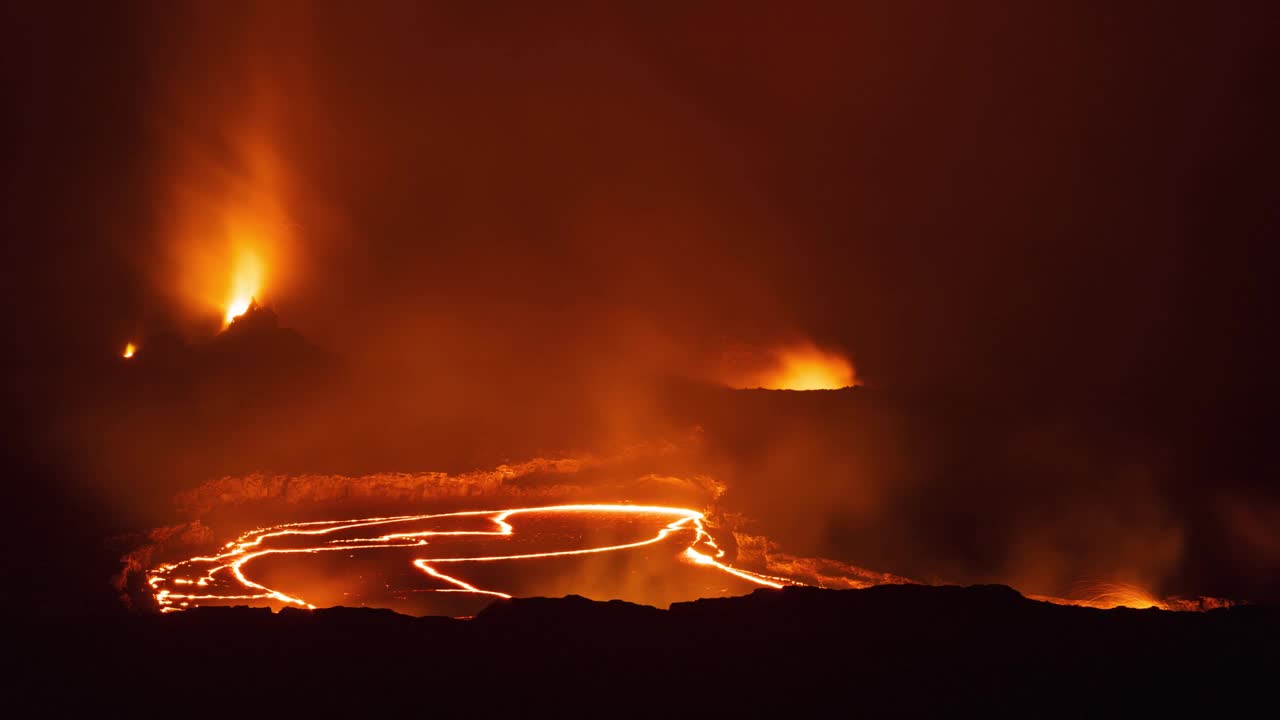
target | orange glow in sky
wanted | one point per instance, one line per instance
(809, 368)
(801, 366)
(227, 224)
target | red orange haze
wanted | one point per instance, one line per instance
(892, 361)
(250, 229)
(870, 354)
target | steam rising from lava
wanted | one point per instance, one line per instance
(477, 554)
(798, 366)
(225, 578)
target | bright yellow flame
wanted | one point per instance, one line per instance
(129, 350)
(246, 283)
(801, 367)
(238, 307)
(812, 369)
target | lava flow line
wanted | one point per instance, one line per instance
(222, 577)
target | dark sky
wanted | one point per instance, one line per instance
(988, 197)
(1062, 205)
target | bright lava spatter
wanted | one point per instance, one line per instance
(222, 577)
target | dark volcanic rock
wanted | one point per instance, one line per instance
(571, 609)
(914, 650)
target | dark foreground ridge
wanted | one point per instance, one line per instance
(899, 649)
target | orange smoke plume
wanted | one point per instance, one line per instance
(226, 226)
(230, 236)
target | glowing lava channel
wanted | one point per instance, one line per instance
(221, 577)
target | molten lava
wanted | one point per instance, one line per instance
(1109, 595)
(453, 563)
(295, 564)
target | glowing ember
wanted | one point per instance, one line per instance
(129, 350)
(634, 541)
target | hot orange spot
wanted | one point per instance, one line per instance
(796, 367)
(238, 307)
(1109, 595)
(811, 369)
(245, 283)
(129, 350)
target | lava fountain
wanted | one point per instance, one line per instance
(247, 279)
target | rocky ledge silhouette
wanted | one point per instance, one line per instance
(895, 649)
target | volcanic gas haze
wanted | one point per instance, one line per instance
(478, 554)
(528, 537)
(449, 561)
(512, 276)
